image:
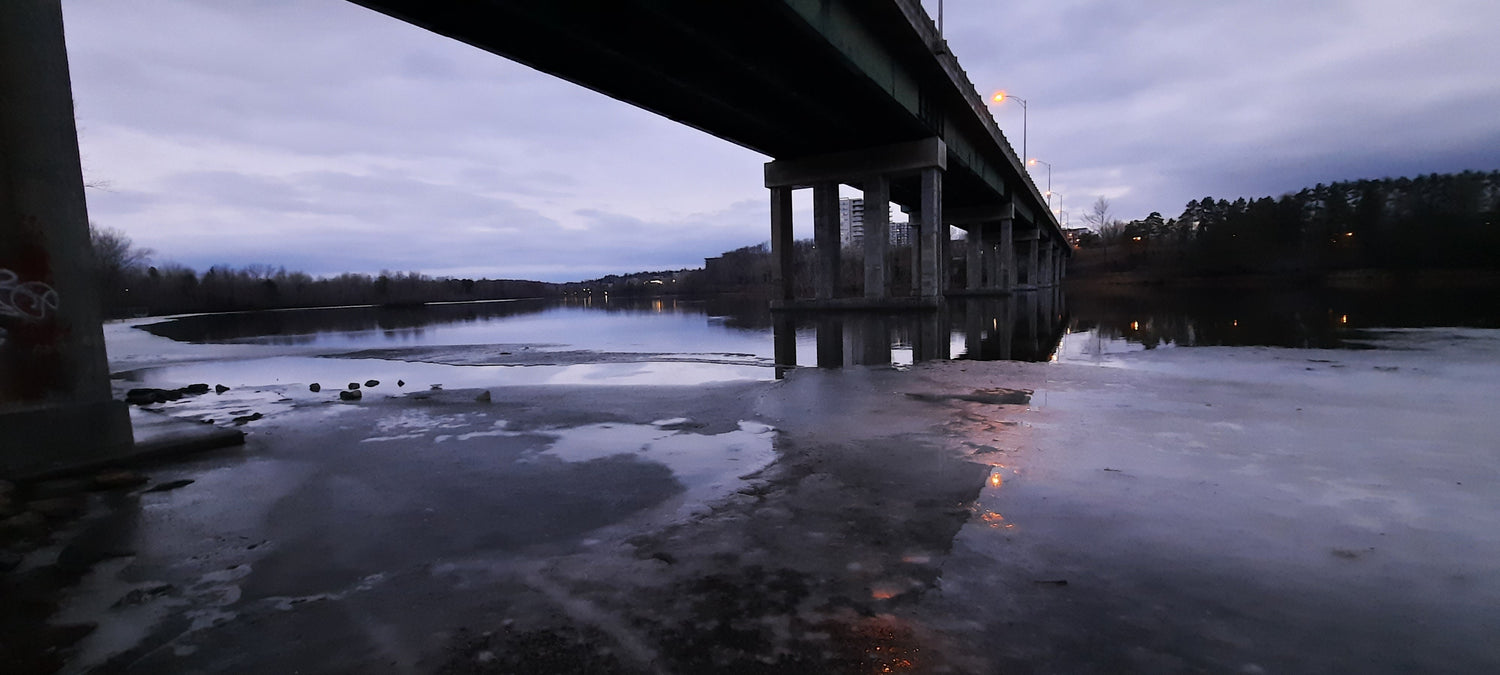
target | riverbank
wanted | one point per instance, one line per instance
(1207, 509)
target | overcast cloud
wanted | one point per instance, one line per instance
(325, 137)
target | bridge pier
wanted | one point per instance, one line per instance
(876, 171)
(56, 408)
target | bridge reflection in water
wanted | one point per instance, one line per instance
(1024, 326)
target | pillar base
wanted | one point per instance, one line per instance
(66, 437)
(923, 304)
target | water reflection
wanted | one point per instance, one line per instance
(1316, 319)
(1027, 326)
(1024, 327)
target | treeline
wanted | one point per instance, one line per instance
(129, 286)
(1437, 221)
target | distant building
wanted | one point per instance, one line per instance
(1074, 234)
(852, 222)
(852, 225)
(901, 233)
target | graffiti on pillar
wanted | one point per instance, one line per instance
(25, 300)
(34, 336)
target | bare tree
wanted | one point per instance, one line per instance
(114, 253)
(1099, 216)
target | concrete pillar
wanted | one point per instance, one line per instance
(877, 238)
(826, 240)
(992, 258)
(1028, 261)
(1007, 255)
(783, 264)
(55, 401)
(1044, 262)
(945, 258)
(932, 221)
(915, 220)
(976, 259)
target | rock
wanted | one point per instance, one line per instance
(7, 499)
(10, 560)
(483, 397)
(437, 387)
(199, 388)
(353, 386)
(142, 595)
(400, 383)
(28, 525)
(314, 387)
(219, 389)
(148, 396)
(350, 395)
(112, 480)
(171, 485)
(245, 419)
(56, 508)
(372, 383)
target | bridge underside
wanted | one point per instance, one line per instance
(825, 87)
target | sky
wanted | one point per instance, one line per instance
(327, 138)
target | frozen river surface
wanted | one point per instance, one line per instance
(1212, 509)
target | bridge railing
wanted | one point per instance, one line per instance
(926, 28)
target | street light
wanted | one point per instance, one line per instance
(1033, 162)
(1001, 97)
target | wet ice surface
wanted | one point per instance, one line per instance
(1249, 510)
(1196, 509)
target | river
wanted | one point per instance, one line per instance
(1219, 481)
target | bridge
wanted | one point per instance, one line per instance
(855, 92)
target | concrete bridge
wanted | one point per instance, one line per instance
(855, 92)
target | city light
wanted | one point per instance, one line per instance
(1001, 97)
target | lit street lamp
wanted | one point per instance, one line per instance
(1033, 162)
(1000, 97)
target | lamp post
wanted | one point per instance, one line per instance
(1033, 162)
(1001, 97)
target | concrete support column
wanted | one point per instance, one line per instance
(932, 221)
(826, 240)
(1029, 263)
(1008, 253)
(1044, 262)
(976, 259)
(55, 401)
(992, 263)
(783, 265)
(914, 220)
(945, 258)
(877, 238)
